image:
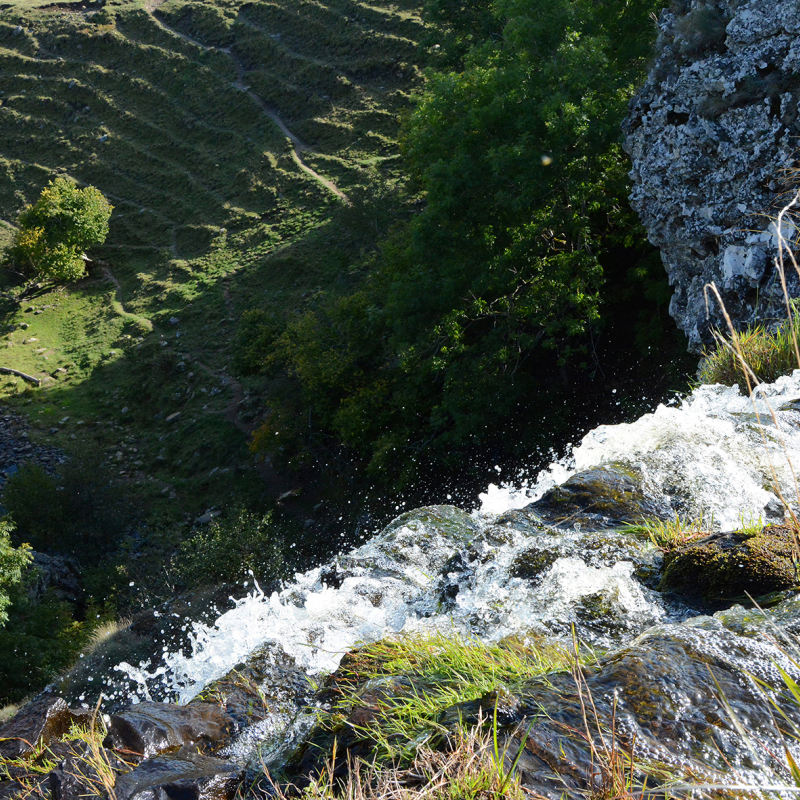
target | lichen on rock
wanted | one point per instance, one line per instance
(725, 566)
(713, 138)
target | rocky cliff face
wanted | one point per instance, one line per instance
(713, 136)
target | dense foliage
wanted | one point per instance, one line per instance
(54, 231)
(230, 550)
(13, 561)
(488, 302)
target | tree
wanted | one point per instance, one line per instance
(54, 231)
(12, 564)
(480, 317)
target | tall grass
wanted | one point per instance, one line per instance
(471, 769)
(768, 353)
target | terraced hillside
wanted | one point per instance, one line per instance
(195, 116)
(229, 136)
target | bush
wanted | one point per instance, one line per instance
(12, 563)
(41, 639)
(769, 355)
(229, 550)
(701, 30)
(55, 230)
(77, 512)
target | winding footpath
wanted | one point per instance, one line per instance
(298, 147)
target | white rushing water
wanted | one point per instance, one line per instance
(491, 576)
(717, 453)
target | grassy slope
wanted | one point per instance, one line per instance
(170, 111)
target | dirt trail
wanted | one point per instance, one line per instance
(298, 147)
(144, 324)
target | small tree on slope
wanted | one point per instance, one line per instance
(12, 565)
(55, 230)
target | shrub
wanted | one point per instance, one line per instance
(41, 639)
(701, 30)
(79, 511)
(54, 231)
(769, 355)
(12, 563)
(229, 550)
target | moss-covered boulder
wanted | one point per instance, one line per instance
(600, 497)
(725, 566)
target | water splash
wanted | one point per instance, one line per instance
(499, 572)
(718, 453)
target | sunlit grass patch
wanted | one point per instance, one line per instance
(672, 533)
(438, 672)
(769, 354)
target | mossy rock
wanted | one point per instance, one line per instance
(600, 497)
(532, 564)
(725, 566)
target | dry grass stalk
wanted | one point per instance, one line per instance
(469, 770)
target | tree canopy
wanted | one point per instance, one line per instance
(53, 232)
(486, 302)
(13, 561)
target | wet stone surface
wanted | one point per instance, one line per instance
(147, 729)
(184, 775)
(600, 497)
(44, 719)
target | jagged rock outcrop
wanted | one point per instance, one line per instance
(713, 137)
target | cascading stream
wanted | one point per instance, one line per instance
(500, 572)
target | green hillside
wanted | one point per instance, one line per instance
(230, 138)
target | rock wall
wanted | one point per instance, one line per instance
(713, 137)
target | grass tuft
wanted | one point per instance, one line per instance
(470, 770)
(442, 672)
(769, 354)
(672, 533)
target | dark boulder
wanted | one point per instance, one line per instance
(599, 497)
(44, 720)
(147, 729)
(184, 775)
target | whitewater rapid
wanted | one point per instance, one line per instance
(716, 452)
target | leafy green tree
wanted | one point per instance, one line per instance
(480, 314)
(13, 561)
(54, 231)
(228, 550)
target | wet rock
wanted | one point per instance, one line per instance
(150, 728)
(12, 789)
(44, 719)
(599, 497)
(525, 519)
(180, 776)
(659, 696)
(533, 563)
(419, 542)
(349, 737)
(710, 135)
(271, 704)
(59, 574)
(724, 566)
